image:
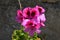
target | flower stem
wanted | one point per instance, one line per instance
(20, 4)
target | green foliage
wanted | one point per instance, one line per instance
(21, 35)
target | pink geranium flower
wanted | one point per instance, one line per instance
(41, 19)
(30, 13)
(34, 13)
(31, 19)
(31, 27)
(19, 17)
(40, 9)
(26, 12)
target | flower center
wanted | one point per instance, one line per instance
(21, 14)
(40, 10)
(33, 14)
(32, 26)
(28, 13)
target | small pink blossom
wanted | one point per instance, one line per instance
(41, 19)
(19, 17)
(34, 13)
(40, 9)
(26, 12)
(19, 13)
(31, 27)
(24, 22)
(42, 24)
(30, 13)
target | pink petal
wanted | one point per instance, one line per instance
(38, 19)
(42, 17)
(42, 24)
(42, 10)
(19, 13)
(34, 10)
(25, 14)
(38, 26)
(25, 22)
(26, 30)
(19, 19)
(31, 32)
(38, 31)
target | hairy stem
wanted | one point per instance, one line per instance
(20, 4)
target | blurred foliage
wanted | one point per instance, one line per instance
(21, 35)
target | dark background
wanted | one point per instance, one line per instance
(8, 10)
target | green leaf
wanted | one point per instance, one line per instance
(21, 35)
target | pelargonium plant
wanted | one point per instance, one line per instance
(31, 20)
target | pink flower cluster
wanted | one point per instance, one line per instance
(32, 19)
